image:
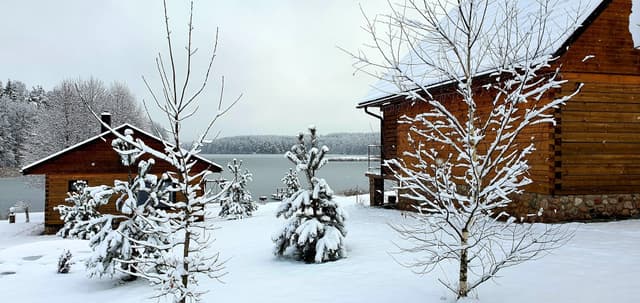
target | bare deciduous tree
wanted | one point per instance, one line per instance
(467, 164)
(62, 120)
(191, 237)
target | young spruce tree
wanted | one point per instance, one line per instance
(237, 202)
(80, 210)
(314, 231)
(291, 182)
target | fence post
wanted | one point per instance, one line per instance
(12, 215)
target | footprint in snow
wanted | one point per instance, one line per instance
(32, 258)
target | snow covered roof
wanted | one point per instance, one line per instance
(634, 23)
(566, 14)
(98, 137)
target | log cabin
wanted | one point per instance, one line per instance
(95, 162)
(587, 165)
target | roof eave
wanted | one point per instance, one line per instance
(26, 170)
(582, 28)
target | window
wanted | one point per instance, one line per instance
(142, 197)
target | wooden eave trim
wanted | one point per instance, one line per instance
(33, 167)
(564, 48)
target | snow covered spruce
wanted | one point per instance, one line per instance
(65, 262)
(141, 235)
(466, 165)
(292, 183)
(314, 230)
(81, 209)
(236, 201)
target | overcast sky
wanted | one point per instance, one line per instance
(281, 54)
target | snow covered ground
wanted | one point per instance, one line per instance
(601, 264)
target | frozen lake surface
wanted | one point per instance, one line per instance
(16, 189)
(268, 171)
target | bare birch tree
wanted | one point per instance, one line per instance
(466, 166)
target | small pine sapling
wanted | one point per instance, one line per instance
(77, 216)
(65, 262)
(237, 202)
(291, 182)
(314, 230)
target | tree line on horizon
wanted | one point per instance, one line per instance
(35, 123)
(341, 143)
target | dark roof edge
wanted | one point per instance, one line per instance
(25, 169)
(582, 28)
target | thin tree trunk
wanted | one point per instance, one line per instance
(462, 283)
(185, 265)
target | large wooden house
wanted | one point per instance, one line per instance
(95, 162)
(587, 165)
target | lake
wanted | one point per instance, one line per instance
(267, 170)
(29, 189)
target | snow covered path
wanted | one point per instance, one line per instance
(601, 264)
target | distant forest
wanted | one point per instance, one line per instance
(338, 143)
(35, 123)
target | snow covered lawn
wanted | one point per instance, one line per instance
(601, 264)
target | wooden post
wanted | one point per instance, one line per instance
(12, 215)
(376, 190)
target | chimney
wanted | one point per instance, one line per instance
(106, 119)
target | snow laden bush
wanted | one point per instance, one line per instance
(81, 209)
(64, 262)
(236, 201)
(470, 147)
(291, 183)
(314, 230)
(128, 241)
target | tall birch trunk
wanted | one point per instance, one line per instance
(462, 283)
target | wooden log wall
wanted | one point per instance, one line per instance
(542, 136)
(57, 187)
(391, 114)
(599, 129)
(600, 137)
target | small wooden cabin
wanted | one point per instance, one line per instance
(586, 166)
(95, 162)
